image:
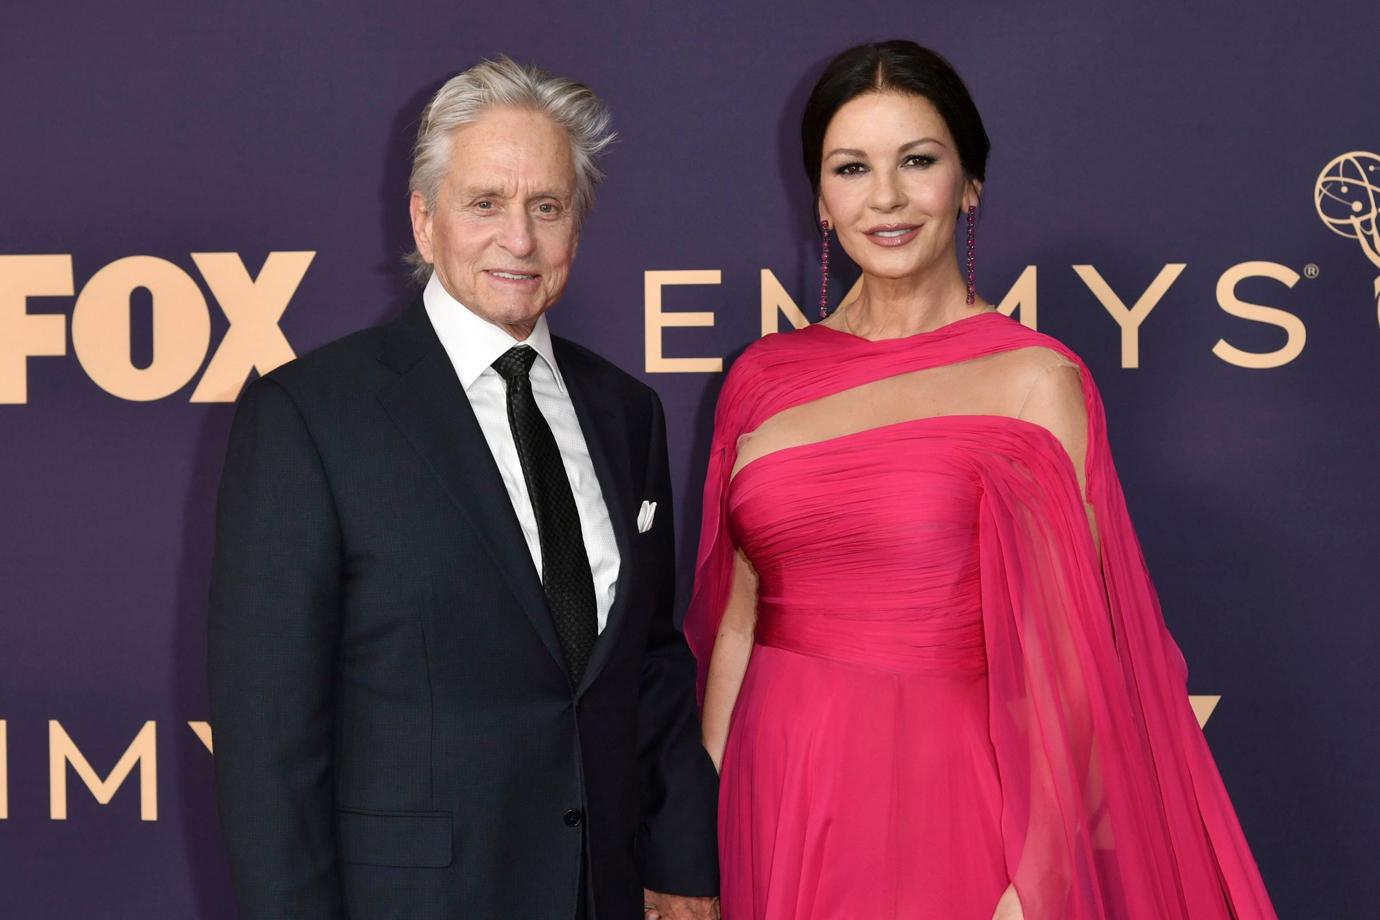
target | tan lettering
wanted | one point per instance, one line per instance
(657, 320)
(1293, 327)
(101, 320)
(775, 301)
(203, 731)
(1203, 707)
(22, 335)
(1021, 298)
(1129, 320)
(142, 752)
(254, 307)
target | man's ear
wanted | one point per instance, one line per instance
(421, 224)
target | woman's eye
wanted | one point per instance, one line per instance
(850, 169)
(919, 159)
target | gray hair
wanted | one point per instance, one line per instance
(503, 82)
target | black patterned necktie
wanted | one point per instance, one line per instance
(565, 572)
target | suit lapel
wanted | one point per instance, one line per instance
(606, 436)
(428, 404)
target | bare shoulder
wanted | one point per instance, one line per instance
(1014, 376)
(1028, 364)
(1054, 400)
(1054, 391)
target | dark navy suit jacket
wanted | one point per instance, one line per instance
(396, 735)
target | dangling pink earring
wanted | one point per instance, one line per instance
(824, 270)
(972, 258)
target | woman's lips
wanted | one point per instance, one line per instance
(892, 235)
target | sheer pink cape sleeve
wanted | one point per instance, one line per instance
(1112, 804)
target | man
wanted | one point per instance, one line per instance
(445, 681)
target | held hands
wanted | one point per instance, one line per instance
(1009, 907)
(677, 907)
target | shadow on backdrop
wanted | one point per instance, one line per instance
(193, 765)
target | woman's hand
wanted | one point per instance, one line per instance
(1009, 907)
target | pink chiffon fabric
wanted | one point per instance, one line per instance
(953, 688)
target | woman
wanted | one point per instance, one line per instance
(936, 678)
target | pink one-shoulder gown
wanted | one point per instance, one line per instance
(953, 687)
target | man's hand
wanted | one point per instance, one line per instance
(677, 907)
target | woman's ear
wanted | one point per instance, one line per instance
(972, 194)
(822, 212)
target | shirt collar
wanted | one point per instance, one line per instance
(473, 343)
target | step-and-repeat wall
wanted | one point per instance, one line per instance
(194, 193)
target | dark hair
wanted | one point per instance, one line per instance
(901, 66)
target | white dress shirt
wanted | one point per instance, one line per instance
(473, 345)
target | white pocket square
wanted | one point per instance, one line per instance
(645, 517)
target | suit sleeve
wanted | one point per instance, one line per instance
(274, 618)
(679, 784)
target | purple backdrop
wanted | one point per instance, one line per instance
(1123, 139)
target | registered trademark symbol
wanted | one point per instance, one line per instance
(1310, 270)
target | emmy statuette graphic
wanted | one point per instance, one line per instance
(1347, 196)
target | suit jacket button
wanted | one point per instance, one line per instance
(573, 817)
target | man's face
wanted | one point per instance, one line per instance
(502, 233)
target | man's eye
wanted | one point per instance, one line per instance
(484, 205)
(851, 169)
(547, 207)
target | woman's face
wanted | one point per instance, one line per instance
(892, 185)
